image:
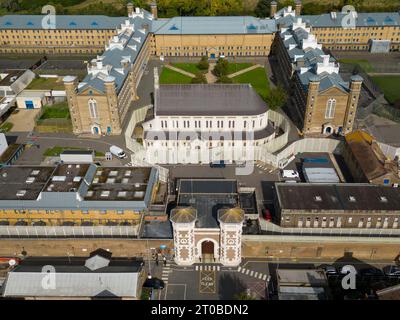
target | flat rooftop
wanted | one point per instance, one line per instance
(23, 182)
(208, 100)
(119, 183)
(67, 178)
(338, 197)
(207, 196)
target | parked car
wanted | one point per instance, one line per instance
(118, 152)
(217, 164)
(290, 174)
(267, 215)
(392, 271)
(371, 272)
(329, 269)
(154, 283)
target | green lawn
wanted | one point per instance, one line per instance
(390, 85)
(189, 67)
(235, 67)
(257, 78)
(169, 76)
(56, 111)
(45, 84)
(55, 151)
(5, 127)
(364, 64)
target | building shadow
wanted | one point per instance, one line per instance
(229, 286)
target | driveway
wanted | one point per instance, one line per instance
(24, 120)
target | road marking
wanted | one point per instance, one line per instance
(197, 268)
(264, 277)
(244, 270)
(247, 271)
(251, 273)
(260, 276)
(218, 268)
(239, 269)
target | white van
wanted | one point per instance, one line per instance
(290, 174)
(117, 151)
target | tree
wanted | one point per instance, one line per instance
(199, 78)
(263, 8)
(276, 98)
(203, 64)
(224, 79)
(221, 68)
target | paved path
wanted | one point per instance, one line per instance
(232, 75)
(191, 75)
(24, 120)
(211, 78)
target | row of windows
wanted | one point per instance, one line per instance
(337, 222)
(210, 123)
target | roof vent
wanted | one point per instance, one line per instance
(96, 262)
(21, 193)
(383, 199)
(105, 194)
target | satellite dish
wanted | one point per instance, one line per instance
(12, 262)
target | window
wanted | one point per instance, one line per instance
(93, 108)
(330, 109)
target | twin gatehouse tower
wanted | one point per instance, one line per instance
(207, 222)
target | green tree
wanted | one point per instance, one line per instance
(276, 98)
(199, 78)
(224, 79)
(263, 8)
(203, 64)
(221, 68)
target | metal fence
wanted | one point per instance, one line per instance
(69, 231)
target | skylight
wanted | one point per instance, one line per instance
(174, 27)
(72, 23)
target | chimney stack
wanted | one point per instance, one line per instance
(298, 7)
(154, 11)
(129, 6)
(273, 8)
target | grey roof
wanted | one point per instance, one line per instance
(321, 175)
(388, 133)
(38, 196)
(207, 196)
(118, 278)
(372, 19)
(69, 22)
(29, 284)
(214, 25)
(208, 100)
(112, 57)
(338, 197)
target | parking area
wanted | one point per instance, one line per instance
(216, 282)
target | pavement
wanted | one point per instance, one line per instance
(185, 73)
(24, 120)
(41, 142)
(255, 276)
(210, 77)
(232, 75)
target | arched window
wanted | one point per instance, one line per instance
(93, 108)
(330, 109)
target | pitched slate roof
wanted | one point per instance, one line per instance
(124, 47)
(372, 19)
(206, 99)
(214, 25)
(69, 22)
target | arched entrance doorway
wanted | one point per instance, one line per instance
(207, 251)
(96, 130)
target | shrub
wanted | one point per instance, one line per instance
(221, 68)
(203, 64)
(199, 78)
(225, 79)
